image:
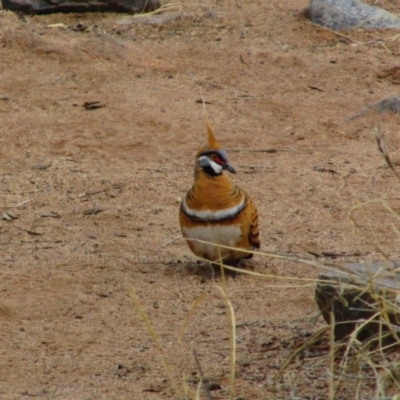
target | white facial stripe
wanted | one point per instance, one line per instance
(214, 215)
(216, 167)
(206, 161)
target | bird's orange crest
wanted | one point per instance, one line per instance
(212, 142)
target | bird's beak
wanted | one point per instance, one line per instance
(228, 167)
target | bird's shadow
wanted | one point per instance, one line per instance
(209, 271)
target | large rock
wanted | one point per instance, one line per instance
(391, 104)
(350, 14)
(358, 293)
(53, 6)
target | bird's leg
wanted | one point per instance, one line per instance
(211, 265)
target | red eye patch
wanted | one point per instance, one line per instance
(218, 160)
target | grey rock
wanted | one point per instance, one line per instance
(350, 14)
(391, 104)
(66, 6)
(358, 293)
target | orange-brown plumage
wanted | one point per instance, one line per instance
(217, 210)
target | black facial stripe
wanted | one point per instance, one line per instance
(209, 170)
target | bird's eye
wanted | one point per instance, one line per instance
(213, 156)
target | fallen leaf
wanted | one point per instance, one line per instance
(93, 211)
(79, 27)
(93, 105)
(203, 101)
(7, 216)
(41, 167)
(244, 58)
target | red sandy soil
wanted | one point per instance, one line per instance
(95, 194)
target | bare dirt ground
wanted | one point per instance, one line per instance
(95, 193)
